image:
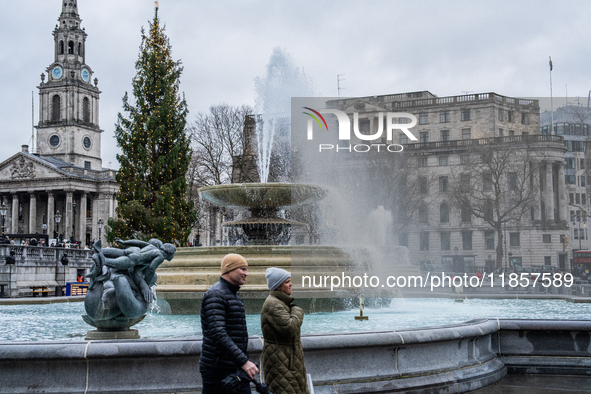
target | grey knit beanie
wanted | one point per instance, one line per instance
(275, 277)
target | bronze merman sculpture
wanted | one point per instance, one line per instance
(120, 292)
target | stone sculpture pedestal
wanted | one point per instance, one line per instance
(97, 335)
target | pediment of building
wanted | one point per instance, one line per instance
(22, 167)
(362, 106)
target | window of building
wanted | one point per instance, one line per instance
(547, 238)
(576, 233)
(583, 199)
(571, 198)
(467, 240)
(489, 239)
(444, 213)
(54, 141)
(424, 240)
(582, 164)
(582, 180)
(403, 239)
(578, 198)
(70, 47)
(570, 179)
(501, 115)
(514, 239)
(87, 165)
(466, 134)
(512, 180)
(61, 47)
(501, 133)
(443, 184)
(86, 142)
(56, 108)
(466, 214)
(364, 125)
(547, 260)
(445, 237)
(488, 210)
(464, 159)
(86, 109)
(572, 216)
(422, 162)
(444, 117)
(465, 182)
(403, 120)
(423, 185)
(524, 118)
(403, 139)
(444, 135)
(487, 182)
(511, 133)
(443, 161)
(465, 114)
(424, 214)
(424, 137)
(424, 118)
(510, 116)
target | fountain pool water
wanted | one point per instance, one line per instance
(52, 322)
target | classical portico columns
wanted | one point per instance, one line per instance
(548, 192)
(32, 213)
(561, 191)
(50, 213)
(68, 225)
(82, 220)
(14, 217)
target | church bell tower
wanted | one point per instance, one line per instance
(68, 126)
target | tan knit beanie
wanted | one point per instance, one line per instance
(232, 261)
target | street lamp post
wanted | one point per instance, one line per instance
(3, 211)
(58, 288)
(100, 227)
(58, 218)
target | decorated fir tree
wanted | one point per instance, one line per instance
(155, 150)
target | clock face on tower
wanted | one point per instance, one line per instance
(57, 72)
(85, 75)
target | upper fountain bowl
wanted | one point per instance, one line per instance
(262, 195)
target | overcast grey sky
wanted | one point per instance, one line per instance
(382, 47)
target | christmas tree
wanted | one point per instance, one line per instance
(155, 150)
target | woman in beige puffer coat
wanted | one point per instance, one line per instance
(283, 356)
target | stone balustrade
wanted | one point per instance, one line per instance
(40, 266)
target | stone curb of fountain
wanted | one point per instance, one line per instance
(40, 300)
(455, 358)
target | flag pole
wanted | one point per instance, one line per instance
(551, 104)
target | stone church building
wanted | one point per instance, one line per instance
(59, 186)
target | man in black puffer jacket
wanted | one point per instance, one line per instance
(223, 323)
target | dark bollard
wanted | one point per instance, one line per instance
(58, 291)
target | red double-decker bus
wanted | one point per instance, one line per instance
(582, 263)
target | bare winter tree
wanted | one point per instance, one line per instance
(218, 137)
(499, 184)
(220, 143)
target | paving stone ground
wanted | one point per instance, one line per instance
(539, 384)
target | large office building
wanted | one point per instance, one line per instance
(453, 135)
(573, 123)
(58, 186)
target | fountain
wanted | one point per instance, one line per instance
(263, 200)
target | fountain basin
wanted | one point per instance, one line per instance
(271, 196)
(264, 200)
(457, 358)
